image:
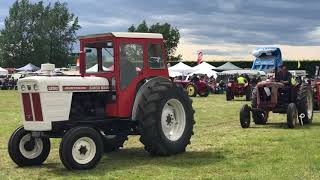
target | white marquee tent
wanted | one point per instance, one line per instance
(208, 72)
(181, 68)
(174, 74)
(3, 72)
(203, 65)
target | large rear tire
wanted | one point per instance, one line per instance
(292, 115)
(166, 119)
(254, 98)
(26, 150)
(228, 94)
(81, 148)
(245, 116)
(205, 92)
(248, 93)
(305, 104)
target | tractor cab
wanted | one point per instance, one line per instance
(126, 60)
(267, 59)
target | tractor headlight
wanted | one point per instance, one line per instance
(35, 87)
(23, 88)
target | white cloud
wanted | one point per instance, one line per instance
(103, 22)
(314, 35)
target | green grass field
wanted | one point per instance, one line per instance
(220, 149)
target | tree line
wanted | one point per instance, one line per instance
(37, 33)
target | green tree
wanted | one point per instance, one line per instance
(37, 33)
(170, 34)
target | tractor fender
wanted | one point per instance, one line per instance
(140, 91)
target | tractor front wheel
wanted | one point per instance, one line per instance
(166, 119)
(245, 116)
(81, 148)
(292, 115)
(26, 150)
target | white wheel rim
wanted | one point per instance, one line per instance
(84, 150)
(34, 150)
(173, 119)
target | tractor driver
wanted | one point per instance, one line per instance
(128, 70)
(284, 76)
(242, 80)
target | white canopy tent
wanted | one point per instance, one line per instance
(249, 72)
(174, 74)
(3, 72)
(203, 65)
(181, 68)
(208, 72)
(95, 68)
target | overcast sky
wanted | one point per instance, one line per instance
(221, 29)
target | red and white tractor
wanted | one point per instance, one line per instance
(124, 89)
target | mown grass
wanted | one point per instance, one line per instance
(220, 149)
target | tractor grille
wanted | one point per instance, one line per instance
(32, 107)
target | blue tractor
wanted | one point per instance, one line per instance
(267, 59)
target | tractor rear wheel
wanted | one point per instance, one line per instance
(254, 100)
(205, 92)
(305, 104)
(113, 142)
(245, 116)
(192, 89)
(26, 150)
(228, 94)
(166, 119)
(292, 115)
(248, 93)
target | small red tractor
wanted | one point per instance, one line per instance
(129, 93)
(238, 90)
(195, 87)
(270, 96)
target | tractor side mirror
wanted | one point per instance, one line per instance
(82, 62)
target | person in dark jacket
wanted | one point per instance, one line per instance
(284, 76)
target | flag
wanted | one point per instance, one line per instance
(299, 64)
(199, 60)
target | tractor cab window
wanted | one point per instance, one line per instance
(268, 55)
(99, 52)
(155, 59)
(131, 63)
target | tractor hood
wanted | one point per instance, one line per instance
(62, 83)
